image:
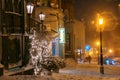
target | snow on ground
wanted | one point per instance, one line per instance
(86, 71)
(81, 77)
(25, 77)
(75, 71)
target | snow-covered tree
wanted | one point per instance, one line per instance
(40, 52)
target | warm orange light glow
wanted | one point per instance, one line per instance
(91, 53)
(118, 5)
(97, 51)
(110, 50)
(97, 43)
(100, 21)
(93, 22)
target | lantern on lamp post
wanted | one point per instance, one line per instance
(101, 54)
(29, 7)
(42, 18)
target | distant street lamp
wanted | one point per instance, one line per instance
(42, 18)
(30, 7)
(110, 50)
(101, 54)
(97, 43)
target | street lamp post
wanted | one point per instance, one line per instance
(101, 54)
(42, 18)
(98, 49)
(30, 7)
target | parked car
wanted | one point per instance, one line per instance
(108, 61)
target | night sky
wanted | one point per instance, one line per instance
(86, 10)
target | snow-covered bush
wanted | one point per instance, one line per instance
(52, 63)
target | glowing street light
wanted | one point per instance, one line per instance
(42, 18)
(97, 43)
(29, 7)
(101, 54)
(100, 21)
(110, 50)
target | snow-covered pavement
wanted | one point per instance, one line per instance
(85, 71)
(75, 71)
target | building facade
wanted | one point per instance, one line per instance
(75, 30)
(68, 10)
(14, 26)
(11, 32)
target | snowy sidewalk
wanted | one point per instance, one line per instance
(75, 71)
(26, 77)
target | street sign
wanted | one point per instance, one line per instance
(87, 48)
